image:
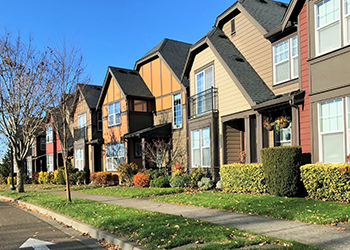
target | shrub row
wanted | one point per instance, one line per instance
(327, 181)
(76, 177)
(243, 178)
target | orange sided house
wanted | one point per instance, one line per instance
(161, 70)
(87, 128)
(242, 72)
(127, 105)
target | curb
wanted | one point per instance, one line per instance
(82, 227)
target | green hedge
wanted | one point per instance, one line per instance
(242, 178)
(282, 170)
(327, 181)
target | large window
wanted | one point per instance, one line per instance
(114, 156)
(114, 114)
(204, 81)
(49, 135)
(177, 111)
(49, 163)
(200, 147)
(79, 159)
(285, 60)
(331, 131)
(82, 120)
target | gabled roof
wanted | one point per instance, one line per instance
(249, 82)
(292, 12)
(90, 93)
(129, 81)
(172, 52)
(267, 13)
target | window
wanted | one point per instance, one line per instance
(29, 169)
(331, 131)
(177, 111)
(286, 60)
(204, 81)
(82, 120)
(42, 144)
(49, 163)
(140, 105)
(283, 137)
(99, 121)
(114, 114)
(347, 21)
(49, 136)
(200, 147)
(79, 159)
(233, 27)
(327, 21)
(138, 149)
(114, 156)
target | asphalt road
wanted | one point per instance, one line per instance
(17, 226)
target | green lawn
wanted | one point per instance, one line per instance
(151, 229)
(298, 209)
(131, 192)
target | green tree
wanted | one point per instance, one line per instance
(5, 165)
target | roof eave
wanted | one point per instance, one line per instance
(292, 11)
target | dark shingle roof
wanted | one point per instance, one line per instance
(268, 13)
(173, 52)
(91, 94)
(131, 82)
(244, 72)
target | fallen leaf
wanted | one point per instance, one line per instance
(340, 229)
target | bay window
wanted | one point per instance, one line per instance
(200, 147)
(177, 111)
(114, 114)
(286, 60)
(114, 156)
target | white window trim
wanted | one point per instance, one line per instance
(83, 117)
(173, 110)
(49, 165)
(204, 87)
(121, 158)
(114, 114)
(200, 149)
(320, 134)
(345, 16)
(290, 60)
(329, 24)
(79, 160)
(49, 137)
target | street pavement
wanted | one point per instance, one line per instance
(21, 229)
(330, 237)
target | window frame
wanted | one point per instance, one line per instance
(82, 120)
(291, 65)
(137, 149)
(345, 16)
(49, 135)
(42, 144)
(119, 155)
(175, 112)
(115, 114)
(143, 104)
(278, 136)
(79, 159)
(233, 27)
(49, 164)
(99, 121)
(205, 88)
(200, 148)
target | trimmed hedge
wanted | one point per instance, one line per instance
(327, 181)
(243, 178)
(282, 170)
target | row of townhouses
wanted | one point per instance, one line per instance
(261, 60)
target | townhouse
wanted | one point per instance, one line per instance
(324, 27)
(87, 123)
(36, 159)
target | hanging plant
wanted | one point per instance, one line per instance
(268, 124)
(282, 122)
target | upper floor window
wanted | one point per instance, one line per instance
(347, 21)
(114, 114)
(177, 111)
(233, 27)
(49, 135)
(285, 60)
(82, 120)
(140, 105)
(42, 144)
(204, 81)
(99, 121)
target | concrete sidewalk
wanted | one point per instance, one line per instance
(310, 234)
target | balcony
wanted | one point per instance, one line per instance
(80, 134)
(203, 102)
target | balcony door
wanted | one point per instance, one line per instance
(204, 84)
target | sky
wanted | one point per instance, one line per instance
(109, 32)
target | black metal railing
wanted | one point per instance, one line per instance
(80, 134)
(203, 102)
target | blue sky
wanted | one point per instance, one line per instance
(109, 32)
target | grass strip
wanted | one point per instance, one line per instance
(297, 209)
(151, 229)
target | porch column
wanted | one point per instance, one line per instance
(247, 139)
(295, 126)
(259, 135)
(143, 153)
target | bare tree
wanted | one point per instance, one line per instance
(69, 70)
(25, 84)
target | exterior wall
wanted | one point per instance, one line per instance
(163, 85)
(257, 50)
(305, 133)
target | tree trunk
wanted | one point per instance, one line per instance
(67, 180)
(19, 167)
